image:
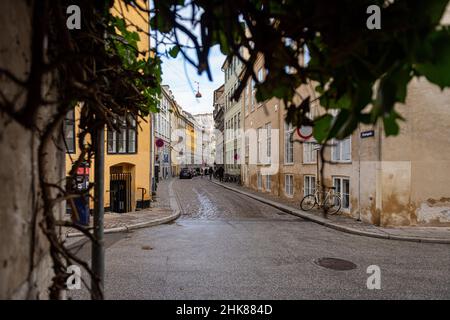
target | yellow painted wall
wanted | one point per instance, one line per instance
(190, 142)
(138, 164)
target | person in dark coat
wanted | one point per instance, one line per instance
(210, 172)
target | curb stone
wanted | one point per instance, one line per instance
(176, 214)
(139, 225)
(333, 225)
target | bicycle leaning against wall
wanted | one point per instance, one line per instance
(331, 201)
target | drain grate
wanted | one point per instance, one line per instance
(335, 264)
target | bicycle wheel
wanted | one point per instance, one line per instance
(308, 202)
(333, 204)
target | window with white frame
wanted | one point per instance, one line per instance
(309, 185)
(306, 56)
(289, 185)
(342, 185)
(247, 147)
(238, 155)
(259, 145)
(309, 152)
(123, 141)
(268, 182)
(288, 143)
(259, 181)
(233, 127)
(239, 124)
(244, 94)
(268, 142)
(260, 75)
(341, 150)
(253, 101)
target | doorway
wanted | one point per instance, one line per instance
(120, 192)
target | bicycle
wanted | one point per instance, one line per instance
(331, 202)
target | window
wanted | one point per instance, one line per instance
(341, 151)
(290, 70)
(288, 143)
(259, 145)
(247, 147)
(306, 56)
(268, 182)
(69, 131)
(252, 104)
(309, 154)
(289, 185)
(239, 124)
(245, 99)
(342, 186)
(309, 185)
(260, 75)
(123, 141)
(238, 155)
(268, 142)
(259, 178)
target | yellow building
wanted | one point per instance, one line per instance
(190, 140)
(128, 167)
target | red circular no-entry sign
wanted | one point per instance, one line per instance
(159, 142)
(305, 132)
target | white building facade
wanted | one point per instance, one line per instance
(233, 124)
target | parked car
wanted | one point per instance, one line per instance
(185, 173)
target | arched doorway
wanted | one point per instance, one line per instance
(121, 187)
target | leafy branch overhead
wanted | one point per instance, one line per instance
(98, 68)
(351, 66)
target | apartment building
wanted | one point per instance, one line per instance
(162, 133)
(127, 172)
(392, 181)
(178, 124)
(191, 135)
(233, 117)
(218, 116)
(208, 138)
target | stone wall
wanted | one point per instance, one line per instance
(25, 265)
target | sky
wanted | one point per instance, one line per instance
(181, 78)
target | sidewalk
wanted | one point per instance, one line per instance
(346, 224)
(162, 210)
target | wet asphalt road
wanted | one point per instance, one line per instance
(227, 246)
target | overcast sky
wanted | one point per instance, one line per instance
(181, 77)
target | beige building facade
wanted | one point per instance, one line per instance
(232, 118)
(385, 181)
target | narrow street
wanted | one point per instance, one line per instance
(227, 246)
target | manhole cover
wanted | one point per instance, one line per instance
(335, 264)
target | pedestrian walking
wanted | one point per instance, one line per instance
(221, 174)
(210, 172)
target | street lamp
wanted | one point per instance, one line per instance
(198, 94)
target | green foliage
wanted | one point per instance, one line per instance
(348, 61)
(143, 69)
(437, 67)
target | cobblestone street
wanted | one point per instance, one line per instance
(228, 246)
